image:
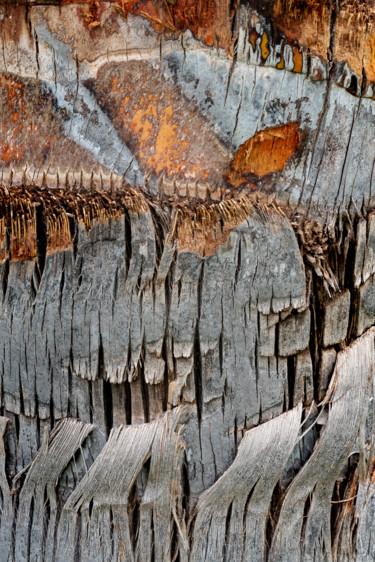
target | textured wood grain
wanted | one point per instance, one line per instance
(187, 280)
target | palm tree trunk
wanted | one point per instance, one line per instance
(187, 296)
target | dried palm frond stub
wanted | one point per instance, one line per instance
(203, 229)
(314, 240)
(22, 209)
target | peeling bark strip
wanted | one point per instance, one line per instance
(125, 508)
(231, 516)
(303, 529)
(37, 509)
(7, 510)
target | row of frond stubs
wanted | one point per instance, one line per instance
(200, 229)
(204, 228)
(20, 209)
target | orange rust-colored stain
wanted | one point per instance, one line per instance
(14, 91)
(264, 46)
(204, 239)
(253, 36)
(370, 58)
(266, 152)
(211, 21)
(161, 147)
(169, 147)
(10, 151)
(281, 64)
(114, 84)
(297, 59)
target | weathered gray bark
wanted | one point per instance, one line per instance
(187, 296)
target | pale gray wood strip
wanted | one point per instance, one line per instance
(6, 512)
(298, 538)
(38, 493)
(221, 510)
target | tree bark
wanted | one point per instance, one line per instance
(187, 296)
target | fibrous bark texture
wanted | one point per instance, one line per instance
(187, 281)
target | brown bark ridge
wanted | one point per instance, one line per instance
(187, 295)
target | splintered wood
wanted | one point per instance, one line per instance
(134, 492)
(187, 281)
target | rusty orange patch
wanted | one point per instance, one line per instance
(264, 46)
(160, 144)
(10, 152)
(163, 130)
(297, 59)
(369, 59)
(266, 152)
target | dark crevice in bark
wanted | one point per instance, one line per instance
(133, 514)
(227, 529)
(38, 439)
(41, 239)
(165, 376)
(185, 504)
(144, 387)
(30, 526)
(168, 284)
(73, 228)
(5, 275)
(51, 408)
(70, 382)
(306, 510)
(128, 242)
(245, 510)
(112, 531)
(161, 225)
(20, 386)
(128, 402)
(291, 369)
(108, 406)
(314, 344)
(349, 283)
(153, 537)
(91, 404)
(77, 538)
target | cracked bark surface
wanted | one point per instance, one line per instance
(187, 296)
